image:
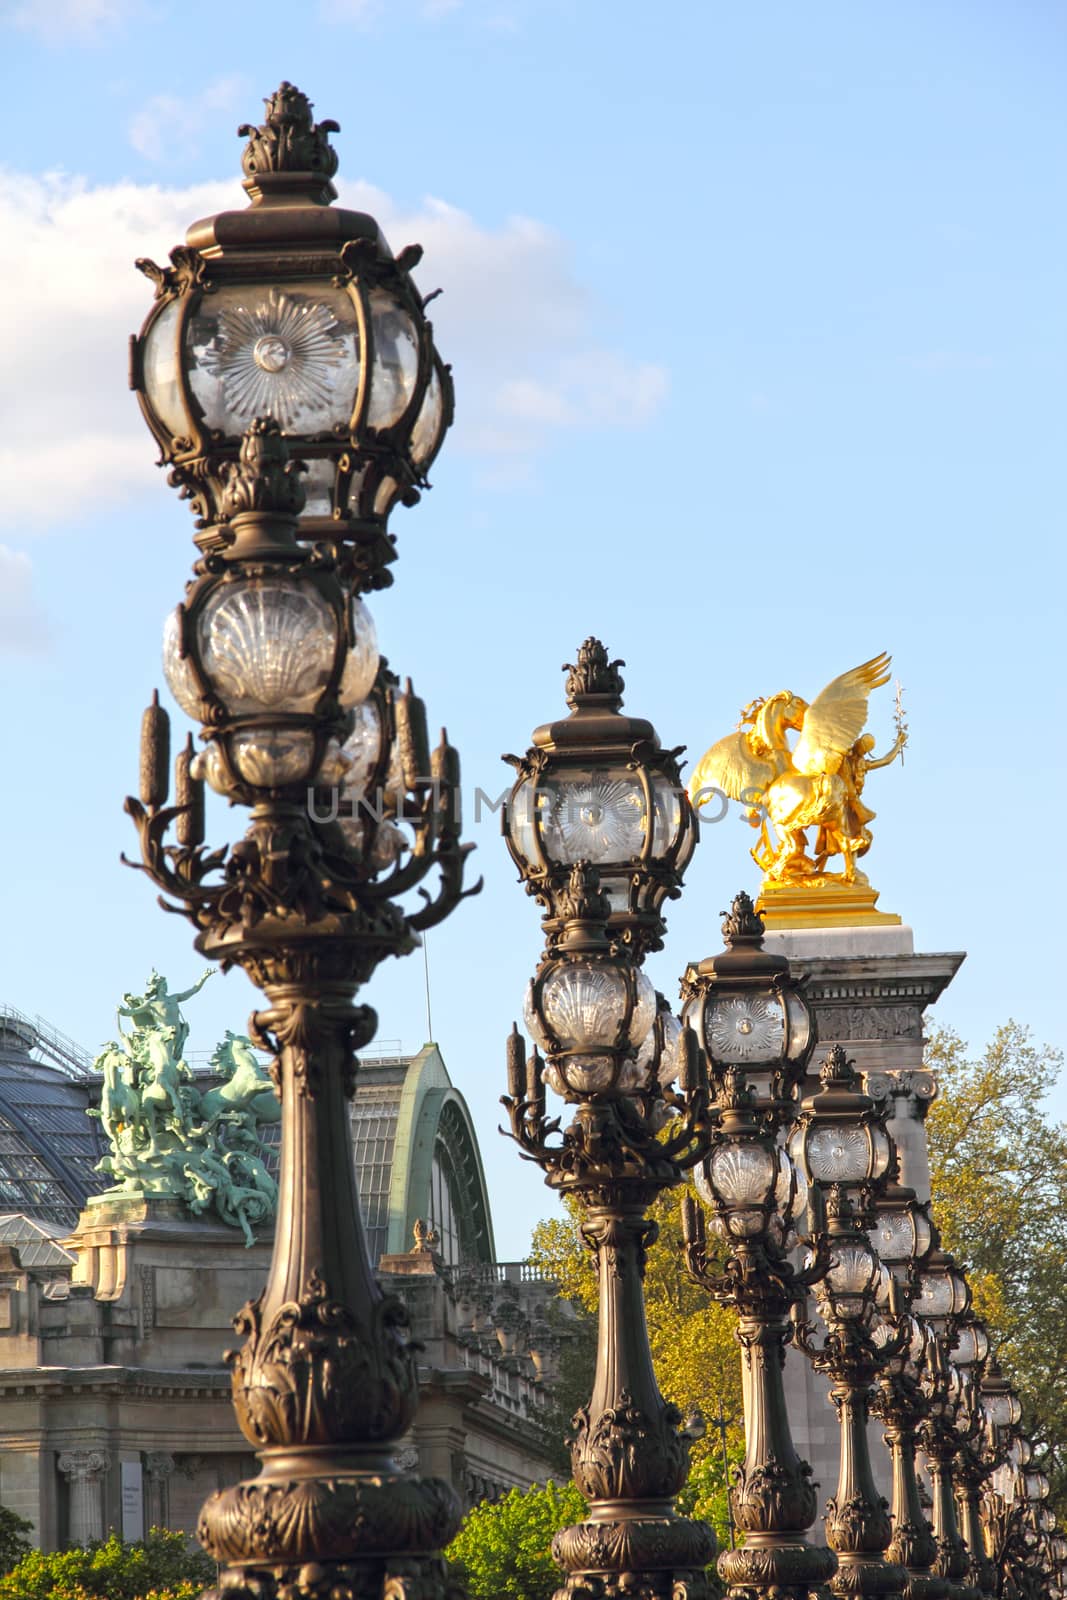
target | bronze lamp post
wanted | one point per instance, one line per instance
(598, 824)
(751, 1018)
(281, 324)
(941, 1299)
(842, 1146)
(903, 1235)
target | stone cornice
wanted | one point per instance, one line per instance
(208, 1384)
(878, 980)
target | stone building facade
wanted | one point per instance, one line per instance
(114, 1401)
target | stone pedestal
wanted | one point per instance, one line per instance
(869, 989)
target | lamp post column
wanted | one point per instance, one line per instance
(600, 829)
(751, 1018)
(858, 1528)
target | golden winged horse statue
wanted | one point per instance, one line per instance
(816, 784)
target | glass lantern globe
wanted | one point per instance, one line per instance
(300, 312)
(838, 1137)
(901, 1235)
(999, 1401)
(972, 1345)
(598, 787)
(1036, 1486)
(747, 1011)
(590, 1017)
(942, 1290)
(850, 1286)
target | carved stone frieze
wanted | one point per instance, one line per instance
(869, 1021)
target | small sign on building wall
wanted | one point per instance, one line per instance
(132, 1501)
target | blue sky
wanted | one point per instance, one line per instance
(757, 321)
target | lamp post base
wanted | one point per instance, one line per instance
(769, 1565)
(664, 1555)
(859, 1575)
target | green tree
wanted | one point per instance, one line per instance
(505, 1548)
(694, 1349)
(14, 1543)
(999, 1183)
(159, 1567)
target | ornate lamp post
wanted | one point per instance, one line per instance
(593, 1013)
(942, 1299)
(749, 1016)
(903, 1235)
(972, 1466)
(839, 1142)
(273, 653)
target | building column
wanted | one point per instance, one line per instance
(158, 1467)
(85, 1470)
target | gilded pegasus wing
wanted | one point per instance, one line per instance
(730, 766)
(835, 718)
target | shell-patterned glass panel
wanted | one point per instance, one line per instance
(290, 353)
(161, 370)
(267, 644)
(852, 1269)
(893, 1235)
(362, 751)
(177, 669)
(270, 757)
(743, 1027)
(583, 1006)
(934, 1298)
(361, 662)
(839, 1154)
(743, 1174)
(591, 1074)
(396, 360)
(644, 1012)
(594, 816)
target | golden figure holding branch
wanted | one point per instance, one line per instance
(814, 786)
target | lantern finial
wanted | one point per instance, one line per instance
(594, 678)
(742, 924)
(288, 140)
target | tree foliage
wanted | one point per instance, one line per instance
(504, 1548)
(693, 1344)
(14, 1541)
(999, 1183)
(160, 1567)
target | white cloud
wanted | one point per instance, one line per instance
(22, 629)
(167, 120)
(67, 21)
(516, 324)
